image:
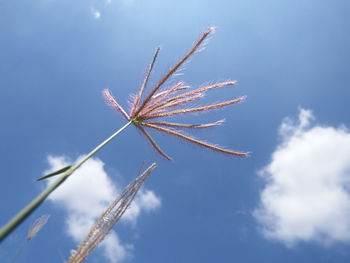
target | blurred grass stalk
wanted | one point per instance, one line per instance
(66, 172)
(110, 217)
(33, 231)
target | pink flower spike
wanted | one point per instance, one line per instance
(203, 89)
(173, 69)
(113, 103)
(204, 108)
(166, 106)
(181, 125)
(164, 102)
(175, 90)
(153, 143)
(154, 103)
(201, 143)
(144, 83)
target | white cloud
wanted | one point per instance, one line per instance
(115, 251)
(95, 13)
(85, 195)
(307, 194)
(145, 201)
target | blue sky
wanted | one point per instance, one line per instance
(289, 200)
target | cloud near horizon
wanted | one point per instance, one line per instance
(86, 194)
(307, 192)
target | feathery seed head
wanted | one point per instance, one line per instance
(158, 104)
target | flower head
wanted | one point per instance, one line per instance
(146, 111)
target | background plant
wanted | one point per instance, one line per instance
(110, 217)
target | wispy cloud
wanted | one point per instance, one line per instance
(95, 13)
(86, 194)
(307, 194)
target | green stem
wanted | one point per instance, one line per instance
(16, 220)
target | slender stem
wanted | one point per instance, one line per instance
(25, 212)
(84, 159)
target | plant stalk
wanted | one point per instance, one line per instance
(25, 212)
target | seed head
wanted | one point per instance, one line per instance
(164, 103)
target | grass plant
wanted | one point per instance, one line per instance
(145, 112)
